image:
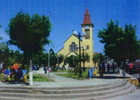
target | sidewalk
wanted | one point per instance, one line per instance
(61, 81)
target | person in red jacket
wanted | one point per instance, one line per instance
(130, 66)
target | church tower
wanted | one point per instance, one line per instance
(87, 28)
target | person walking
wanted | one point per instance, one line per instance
(18, 75)
(101, 69)
(12, 74)
(130, 67)
(45, 70)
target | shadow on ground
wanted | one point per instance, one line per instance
(7, 82)
(110, 75)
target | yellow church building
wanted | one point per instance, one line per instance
(73, 41)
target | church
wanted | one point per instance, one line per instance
(71, 44)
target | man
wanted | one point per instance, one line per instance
(130, 66)
(18, 75)
(101, 69)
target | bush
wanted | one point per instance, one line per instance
(70, 71)
(54, 69)
(26, 67)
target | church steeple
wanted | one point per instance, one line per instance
(87, 28)
(87, 20)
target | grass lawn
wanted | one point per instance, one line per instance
(59, 71)
(72, 75)
(39, 78)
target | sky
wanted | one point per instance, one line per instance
(68, 15)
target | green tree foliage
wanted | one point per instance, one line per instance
(120, 44)
(61, 57)
(74, 59)
(18, 56)
(0, 36)
(53, 58)
(28, 33)
(96, 58)
(7, 57)
(70, 60)
(85, 57)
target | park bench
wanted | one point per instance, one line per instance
(23, 76)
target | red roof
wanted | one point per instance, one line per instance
(96, 53)
(87, 19)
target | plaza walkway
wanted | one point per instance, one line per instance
(61, 81)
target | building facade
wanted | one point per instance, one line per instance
(87, 43)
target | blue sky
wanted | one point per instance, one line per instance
(68, 15)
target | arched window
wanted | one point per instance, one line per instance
(73, 46)
(70, 48)
(76, 48)
(87, 31)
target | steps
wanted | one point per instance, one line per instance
(97, 92)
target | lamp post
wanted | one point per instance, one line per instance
(58, 62)
(48, 57)
(100, 57)
(84, 56)
(80, 70)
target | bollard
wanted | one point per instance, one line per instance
(124, 75)
(120, 70)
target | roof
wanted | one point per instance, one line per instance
(59, 50)
(73, 35)
(96, 53)
(70, 53)
(87, 19)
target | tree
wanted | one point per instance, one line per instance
(29, 34)
(7, 56)
(18, 56)
(96, 58)
(53, 58)
(118, 42)
(0, 36)
(70, 60)
(60, 57)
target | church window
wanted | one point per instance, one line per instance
(73, 46)
(87, 34)
(70, 48)
(88, 60)
(76, 48)
(87, 46)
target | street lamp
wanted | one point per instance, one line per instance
(84, 56)
(58, 62)
(80, 70)
(48, 57)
